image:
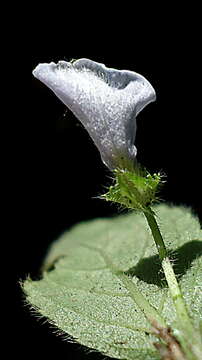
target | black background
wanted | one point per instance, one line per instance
(62, 171)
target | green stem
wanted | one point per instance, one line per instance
(190, 338)
(156, 234)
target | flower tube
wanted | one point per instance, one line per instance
(105, 100)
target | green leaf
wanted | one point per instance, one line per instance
(84, 297)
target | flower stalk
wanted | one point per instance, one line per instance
(189, 338)
(138, 190)
(156, 234)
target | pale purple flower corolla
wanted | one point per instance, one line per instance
(105, 100)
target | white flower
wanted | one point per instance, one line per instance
(105, 100)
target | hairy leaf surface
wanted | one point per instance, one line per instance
(83, 297)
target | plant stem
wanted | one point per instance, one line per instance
(156, 234)
(190, 338)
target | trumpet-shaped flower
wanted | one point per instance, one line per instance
(105, 100)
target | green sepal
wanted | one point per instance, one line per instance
(134, 189)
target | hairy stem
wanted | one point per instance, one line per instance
(190, 339)
(156, 234)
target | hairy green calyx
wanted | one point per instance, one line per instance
(134, 190)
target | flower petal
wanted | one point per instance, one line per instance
(105, 100)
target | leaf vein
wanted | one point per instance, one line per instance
(105, 322)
